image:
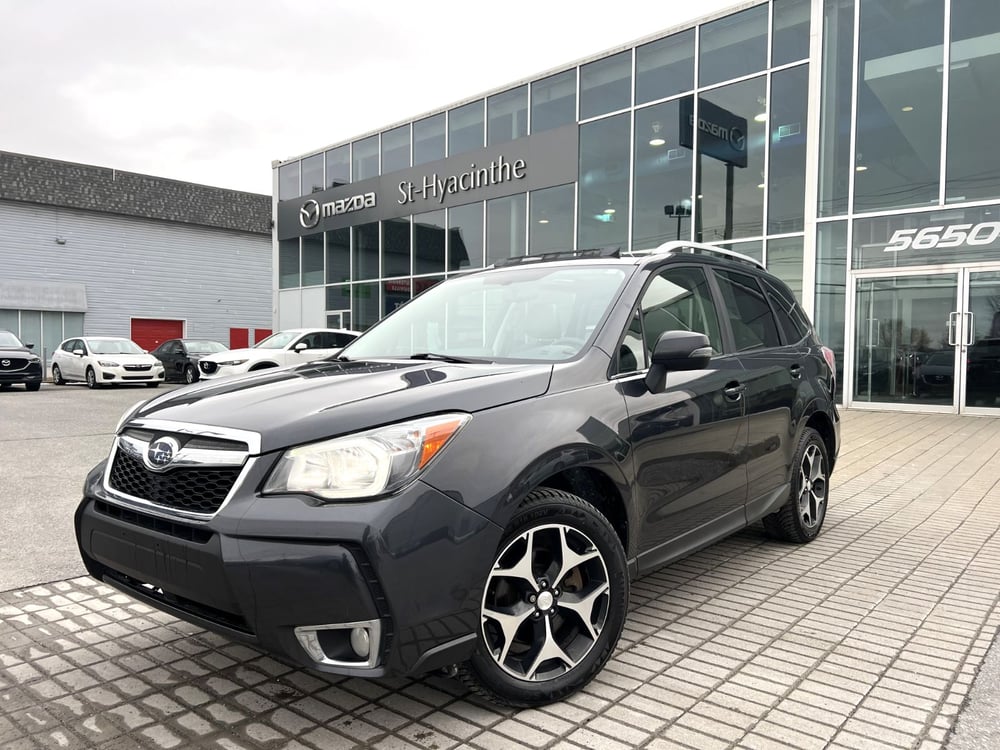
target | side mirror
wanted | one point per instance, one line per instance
(677, 350)
(301, 346)
(30, 346)
(79, 352)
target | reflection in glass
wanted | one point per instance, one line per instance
(505, 227)
(553, 101)
(551, 220)
(364, 306)
(604, 182)
(662, 178)
(465, 237)
(428, 139)
(395, 292)
(606, 85)
(752, 248)
(288, 181)
(507, 116)
(396, 247)
(465, 128)
(733, 46)
(428, 242)
(831, 288)
(973, 101)
(338, 297)
(787, 167)
(288, 263)
(784, 260)
(312, 259)
(983, 368)
(396, 149)
(338, 256)
(731, 198)
(366, 158)
(312, 174)
(790, 41)
(364, 251)
(898, 151)
(835, 164)
(665, 67)
(338, 166)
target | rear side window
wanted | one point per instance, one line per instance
(793, 322)
(750, 315)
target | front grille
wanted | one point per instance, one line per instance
(138, 368)
(10, 364)
(208, 367)
(192, 490)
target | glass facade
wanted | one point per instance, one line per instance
(854, 160)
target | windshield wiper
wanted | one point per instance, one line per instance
(447, 358)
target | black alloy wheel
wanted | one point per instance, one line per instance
(553, 605)
(57, 377)
(801, 517)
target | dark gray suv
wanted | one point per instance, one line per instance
(472, 483)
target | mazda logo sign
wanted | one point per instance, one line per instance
(5, 363)
(737, 139)
(161, 452)
(309, 214)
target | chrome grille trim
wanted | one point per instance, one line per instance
(186, 457)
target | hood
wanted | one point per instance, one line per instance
(309, 402)
(18, 350)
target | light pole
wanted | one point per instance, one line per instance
(680, 210)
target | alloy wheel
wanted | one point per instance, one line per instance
(812, 487)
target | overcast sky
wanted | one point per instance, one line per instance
(213, 92)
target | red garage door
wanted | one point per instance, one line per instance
(149, 333)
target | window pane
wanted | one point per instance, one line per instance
(312, 174)
(733, 46)
(396, 247)
(396, 149)
(312, 259)
(465, 237)
(31, 328)
(72, 324)
(679, 299)
(606, 85)
(835, 166)
(973, 110)
(899, 106)
(604, 182)
(338, 166)
(831, 288)
(507, 115)
(288, 181)
(732, 107)
(338, 255)
(553, 101)
(750, 317)
(52, 334)
(662, 191)
(365, 251)
(505, 227)
(364, 306)
(288, 263)
(752, 249)
(465, 128)
(428, 242)
(366, 158)
(551, 220)
(338, 297)
(664, 68)
(9, 321)
(787, 167)
(428, 140)
(784, 260)
(395, 292)
(791, 31)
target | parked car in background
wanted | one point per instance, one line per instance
(290, 347)
(934, 374)
(104, 360)
(180, 357)
(18, 365)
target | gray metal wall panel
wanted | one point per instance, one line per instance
(214, 279)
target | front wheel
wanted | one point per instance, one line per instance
(553, 606)
(801, 517)
(91, 378)
(190, 375)
(154, 384)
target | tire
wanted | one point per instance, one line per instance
(57, 377)
(154, 384)
(800, 519)
(190, 375)
(507, 667)
(91, 378)
(32, 386)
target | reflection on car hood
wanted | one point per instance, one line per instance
(231, 354)
(310, 402)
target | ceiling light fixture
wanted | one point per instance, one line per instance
(656, 140)
(907, 108)
(543, 221)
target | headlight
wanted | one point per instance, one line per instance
(107, 363)
(367, 463)
(232, 363)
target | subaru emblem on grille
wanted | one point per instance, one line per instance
(161, 452)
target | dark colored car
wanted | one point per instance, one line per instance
(180, 357)
(935, 374)
(18, 364)
(473, 482)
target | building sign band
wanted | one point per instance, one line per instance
(431, 186)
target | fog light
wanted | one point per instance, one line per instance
(360, 642)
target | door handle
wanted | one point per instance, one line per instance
(970, 329)
(953, 329)
(796, 371)
(734, 391)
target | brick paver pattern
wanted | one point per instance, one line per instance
(870, 637)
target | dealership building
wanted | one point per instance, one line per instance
(847, 144)
(93, 251)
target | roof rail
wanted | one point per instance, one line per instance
(697, 248)
(596, 252)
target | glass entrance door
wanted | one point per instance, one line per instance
(980, 342)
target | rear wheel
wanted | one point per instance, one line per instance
(553, 605)
(91, 378)
(801, 517)
(57, 377)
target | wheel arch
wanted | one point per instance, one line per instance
(265, 365)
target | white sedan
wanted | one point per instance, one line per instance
(104, 360)
(290, 347)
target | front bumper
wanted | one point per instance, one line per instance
(122, 375)
(264, 567)
(30, 374)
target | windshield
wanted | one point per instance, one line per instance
(113, 346)
(278, 340)
(523, 313)
(204, 347)
(9, 339)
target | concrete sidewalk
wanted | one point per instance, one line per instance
(870, 637)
